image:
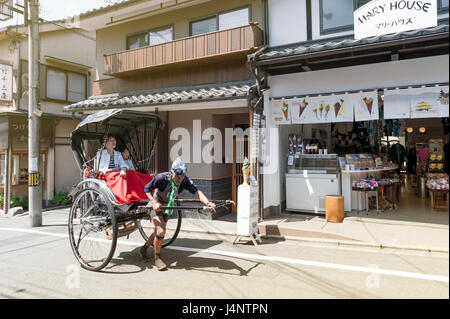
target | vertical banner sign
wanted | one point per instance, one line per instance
(341, 108)
(380, 17)
(443, 101)
(301, 111)
(366, 106)
(425, 102)
(397, 104)
(6, 73)
(280, 112)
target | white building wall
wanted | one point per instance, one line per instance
(380, 75)
(287, 22)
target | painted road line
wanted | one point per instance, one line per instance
(260, 257)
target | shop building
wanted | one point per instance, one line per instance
(65, 73)
(185, 61)
(337, 103)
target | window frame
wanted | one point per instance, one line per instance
(46, 98)
(20, 164)
(217, 15)
(348, 27)
(147, 32)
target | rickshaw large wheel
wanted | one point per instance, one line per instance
(146, 227)
(92, 229)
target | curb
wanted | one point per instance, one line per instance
(359, 244)
(332, 241)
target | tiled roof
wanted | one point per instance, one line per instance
(305, 47)
(165, 96)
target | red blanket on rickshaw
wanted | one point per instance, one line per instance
(128, 189)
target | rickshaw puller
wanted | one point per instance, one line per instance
(167, 186)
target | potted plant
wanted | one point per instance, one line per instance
(246, 172)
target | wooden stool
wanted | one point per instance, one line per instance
(435, 194)
(334, 208)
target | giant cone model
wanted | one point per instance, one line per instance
(246, 172)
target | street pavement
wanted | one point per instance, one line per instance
(39, 263)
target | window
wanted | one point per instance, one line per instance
(76, 87)
(65, 86)
(443, 5)
(137, 41)
(337, 15)
(204, 26)
(152, 37)
(56, 85)
(221, 21)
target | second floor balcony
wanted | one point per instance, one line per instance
(209, 47)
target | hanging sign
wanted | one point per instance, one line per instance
(397, 104)
(366, 106)
(280, 112)
(301, 111)
(341, 108)
(425, 102)
(443, 101)
(6, 82)
(321, 109)
(380, 17)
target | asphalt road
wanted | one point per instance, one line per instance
(39, 263)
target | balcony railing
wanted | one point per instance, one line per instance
(206, 47)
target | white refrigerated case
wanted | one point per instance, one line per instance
(312, 178)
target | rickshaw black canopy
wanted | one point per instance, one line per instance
(126, 126)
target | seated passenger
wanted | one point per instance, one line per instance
(109, 159)
(127, 160)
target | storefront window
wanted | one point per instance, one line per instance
(19, 166)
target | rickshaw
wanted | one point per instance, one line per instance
(96, 218)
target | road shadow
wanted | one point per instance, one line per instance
(176, 257)
(126, 259)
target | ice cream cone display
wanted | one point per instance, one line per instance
(302, 107)
(327, 109)
(321, 110)
(315, 112)
(285, 109)
(337, 108)
(369, 104)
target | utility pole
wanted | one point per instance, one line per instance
(34, 177)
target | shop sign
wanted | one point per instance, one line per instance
(380, 17)
(6, 82)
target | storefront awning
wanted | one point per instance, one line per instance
(215, 92)
(323, 54)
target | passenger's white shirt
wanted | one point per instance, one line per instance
(129, 164)
(103, 166)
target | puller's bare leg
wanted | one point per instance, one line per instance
(143, 251)
(160, 227)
